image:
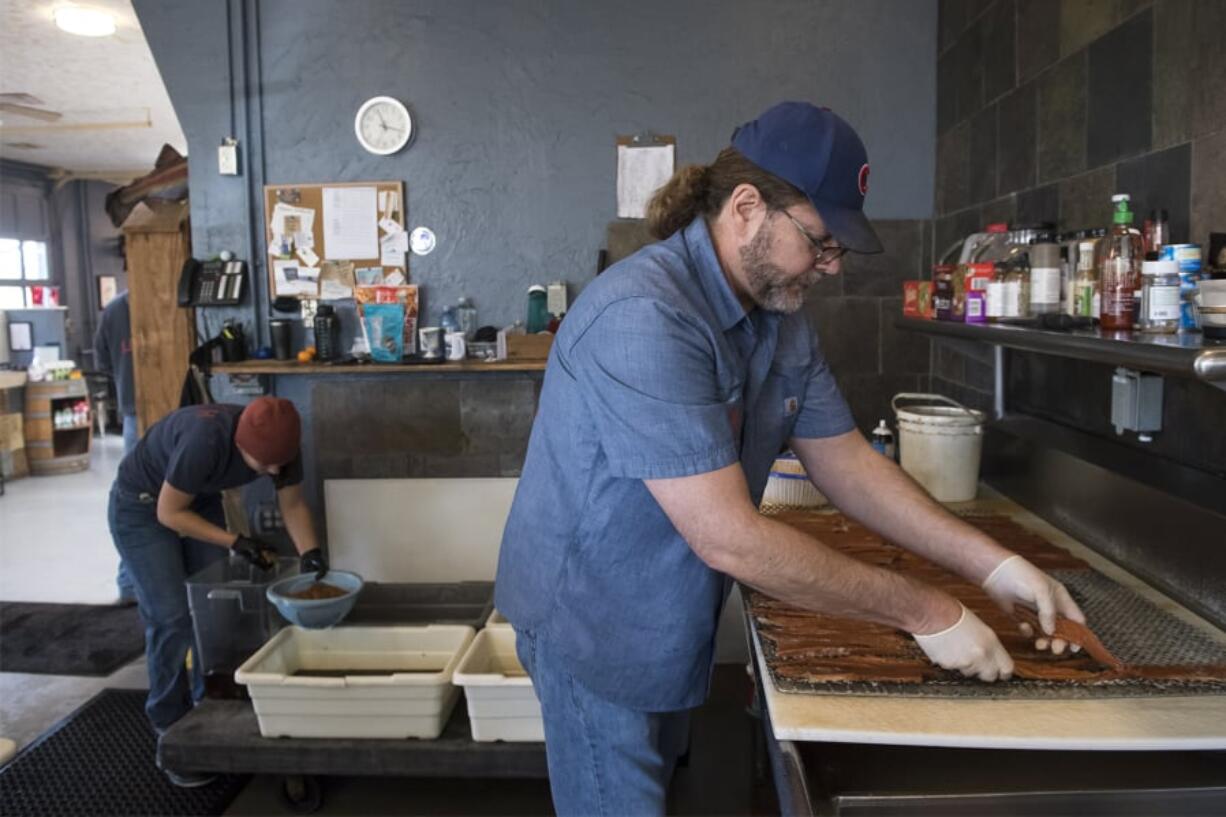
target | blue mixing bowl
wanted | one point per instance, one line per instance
(315, 614)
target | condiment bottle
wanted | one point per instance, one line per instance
(1017, 289)
(1160, 297)
(1085, 283)
(883, 440)
(1044, 278)
(1121, 264)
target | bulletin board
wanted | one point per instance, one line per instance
(300, 220)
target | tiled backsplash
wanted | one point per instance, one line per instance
(854, 315)
(1045, 108)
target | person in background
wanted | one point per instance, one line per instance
(166, 517)
(676, 379)
(113, 355)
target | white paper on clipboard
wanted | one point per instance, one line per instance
(640, 172)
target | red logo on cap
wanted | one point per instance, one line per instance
(863, 180)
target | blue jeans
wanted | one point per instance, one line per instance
(122, 580)
(159, 561)
(604, 759)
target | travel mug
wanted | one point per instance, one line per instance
(280, 329)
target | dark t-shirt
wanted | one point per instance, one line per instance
(193, 449)
(113, 351)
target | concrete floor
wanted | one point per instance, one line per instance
(55, 547)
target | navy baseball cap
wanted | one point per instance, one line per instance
(818, 152)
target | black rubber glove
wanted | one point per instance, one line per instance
(256, 552)
(313, 561)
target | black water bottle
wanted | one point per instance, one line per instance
(327, 333)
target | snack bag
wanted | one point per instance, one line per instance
(384, 325)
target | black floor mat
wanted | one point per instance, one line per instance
(68, 639)
(100, 761)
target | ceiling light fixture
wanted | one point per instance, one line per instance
(85, 22)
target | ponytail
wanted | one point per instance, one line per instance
(679, 201)
(701, 190)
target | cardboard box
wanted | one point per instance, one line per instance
(529, 347)
(910, 299)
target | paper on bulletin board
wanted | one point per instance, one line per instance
(336, 280)
(293, 278)
(392, 248)
(640, 172)
(291, 230)
(350, 222)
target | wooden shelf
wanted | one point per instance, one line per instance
(289, 367)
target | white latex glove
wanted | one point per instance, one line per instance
(970, 647)
(1017, 581)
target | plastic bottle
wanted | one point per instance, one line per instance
(449, 322)
(883, 440)
(327, 333)
(1160, 297)
(1017, 289)
(1157, 231)
(1084, 292)
(466, 314)
(1119, 269)
(1044, 278)
(994, 248)
(538, 314)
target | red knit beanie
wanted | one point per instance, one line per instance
(269, 430)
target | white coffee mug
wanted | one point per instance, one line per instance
(456, 348)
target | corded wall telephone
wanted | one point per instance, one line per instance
(212, 283)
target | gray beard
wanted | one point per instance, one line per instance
(769, 286)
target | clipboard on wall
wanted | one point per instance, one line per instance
(305, 225)
(645, 161)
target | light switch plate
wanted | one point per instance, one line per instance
(227, 157)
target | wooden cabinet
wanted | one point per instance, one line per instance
(157, 242)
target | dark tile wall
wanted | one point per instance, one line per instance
(444, 426)
(1102, 96)
(854, 316)
(1047, 107)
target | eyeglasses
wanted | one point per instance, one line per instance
(825, 254)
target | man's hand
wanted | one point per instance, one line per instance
(970, 647)
(1017, 581)
(256, 552)
(313, 561)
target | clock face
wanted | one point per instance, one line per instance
(383, 125)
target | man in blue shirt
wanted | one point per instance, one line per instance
(166, 518)
(673, 383)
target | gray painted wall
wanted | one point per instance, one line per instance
(517, 105)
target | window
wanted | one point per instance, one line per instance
(21, 262)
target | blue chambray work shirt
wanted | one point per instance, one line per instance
(656, 372)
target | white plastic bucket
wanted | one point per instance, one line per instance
(940, 445)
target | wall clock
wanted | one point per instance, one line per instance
(383, 125)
